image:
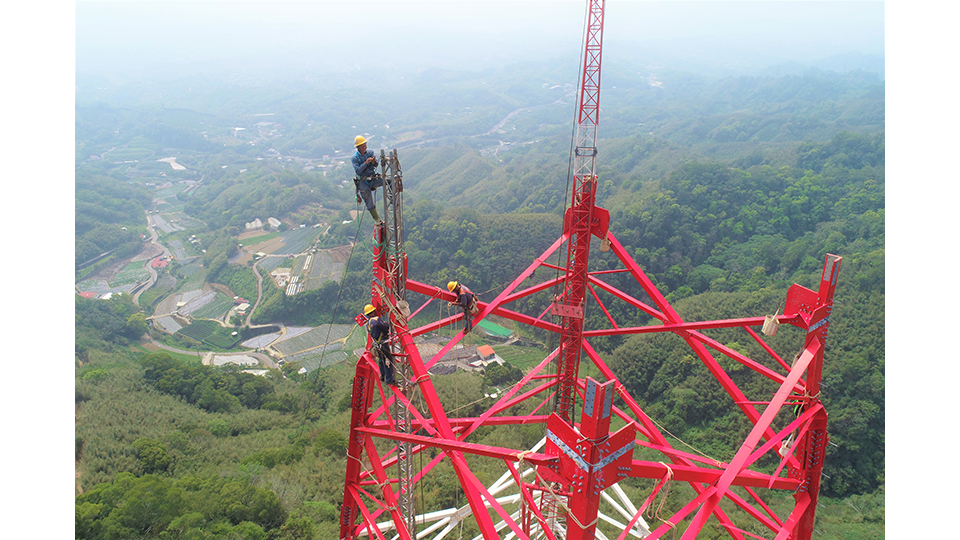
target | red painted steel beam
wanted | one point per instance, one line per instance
(651, 428)
(456, 445)
(368, 520)
(459, 423)
(686, 326)
(693, 473)
(475, 497)
(739, 461)
(698, 348)
(361, 398)
(804, 502)
(386, 490)
(642, 306)
(593, 293)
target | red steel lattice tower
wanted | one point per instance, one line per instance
(567, 487)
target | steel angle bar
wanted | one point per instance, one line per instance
(763, 505)
(741, 359)
(458, 446)
(739, 461)
(636, 410)
(678, 327)
(703, 475)
(802, 420)
(618, 525)
(768, 349)
(629, 516)
(602, 307)
(803, 502)
(368, 521)
(389, 496)
(761, 517)
(625, 297)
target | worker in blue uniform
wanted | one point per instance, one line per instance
(379, 331)
(467, 301)
(367, 180)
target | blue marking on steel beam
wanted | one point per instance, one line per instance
(607, 401)
(612, 457)
(820, 323)
(568, 451)
(591, 393)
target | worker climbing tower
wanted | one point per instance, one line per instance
(595, 434)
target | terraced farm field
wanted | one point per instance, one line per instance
(318, 358)
(323, 268)
(297, 240)
(210, 333)
(215, 308)
(130, 274)
(314, 339)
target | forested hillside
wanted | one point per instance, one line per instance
(724, 190)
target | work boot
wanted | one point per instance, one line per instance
(376, 215)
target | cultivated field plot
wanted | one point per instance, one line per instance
(199, 330)
(162, 224)
(130, 274)
(296, 331)
(270, 263)
(167, 324)
(197, 302)
(177, 250)
(188, 296)
(243, 360)
(314, 339)
(261, 340)
(324, 268)
(297, 240)
(97, 286)
(170, 191)
(194, 276)
(210, 333)
(250, 239)
(332, 353)
(181, 219)
(327, 356)
(215, 309)
(152, 296)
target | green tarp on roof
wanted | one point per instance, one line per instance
(494, 328)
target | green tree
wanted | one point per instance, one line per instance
(298, 528)
(332, 442)
(153, 455)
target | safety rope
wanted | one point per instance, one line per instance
(573, 138)
(716, 461)
(665, 484)
(360, 214)
(333, 318)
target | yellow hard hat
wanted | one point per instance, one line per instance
(359, 140)
(452, 285)
(368, 309)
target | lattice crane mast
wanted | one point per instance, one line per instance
(579, 217)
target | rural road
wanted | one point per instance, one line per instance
(164, 252)
(263, 358)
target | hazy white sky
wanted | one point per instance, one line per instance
(132, 35)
